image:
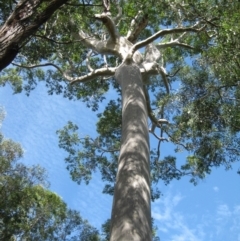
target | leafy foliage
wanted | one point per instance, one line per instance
(202, 107)
(194, 93)
(28, 210)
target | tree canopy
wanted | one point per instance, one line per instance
(187, 53)
(194, 94)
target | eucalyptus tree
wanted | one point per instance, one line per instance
(153, 54)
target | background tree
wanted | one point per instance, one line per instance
(194, 116)
(20, 20)
(28, 210)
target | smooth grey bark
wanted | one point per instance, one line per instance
(131, 211)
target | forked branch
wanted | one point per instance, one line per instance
(162, 33)
(137, 27)
(105, 72)
(109, 24)
(119, 15)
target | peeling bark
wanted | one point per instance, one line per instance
(131, 212)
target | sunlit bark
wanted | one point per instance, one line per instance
(131, 212)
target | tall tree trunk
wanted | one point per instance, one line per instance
(131, 212)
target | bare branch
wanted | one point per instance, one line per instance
(149, 69)
(176, 142)
(149, 109)
(159, 34)
(106, 5)
(100, 46)
(178, 14)
(172, 44)
(83, 5)
(163, 121)
(109, 24)
(87, 61)
(164, 32)
(181, 36)
(104, 72)
(141, 26)
(172, 75)
(152, 54)
(175, 42)
(163, 73)
(119, 15)
(93, 75)
(158, 152)
(37, 66)
(54, 41)
(87, 40)
(97, 145)
(67, 77)
(234, 150)
(133, 24)
(136, 28)
(105, 60)
(159, 137)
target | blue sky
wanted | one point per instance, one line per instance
(208, 211)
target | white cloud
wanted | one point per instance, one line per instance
(185, 235)
(227, 221)
(176, 199)
(163, 210)
(235, 220)
(35, 126)
(172, 223)
(177, 224)
(94, 206)
(237, 210)
(216, 189)
(223, 211)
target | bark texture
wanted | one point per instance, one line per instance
(131, 212)
(21, 24)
